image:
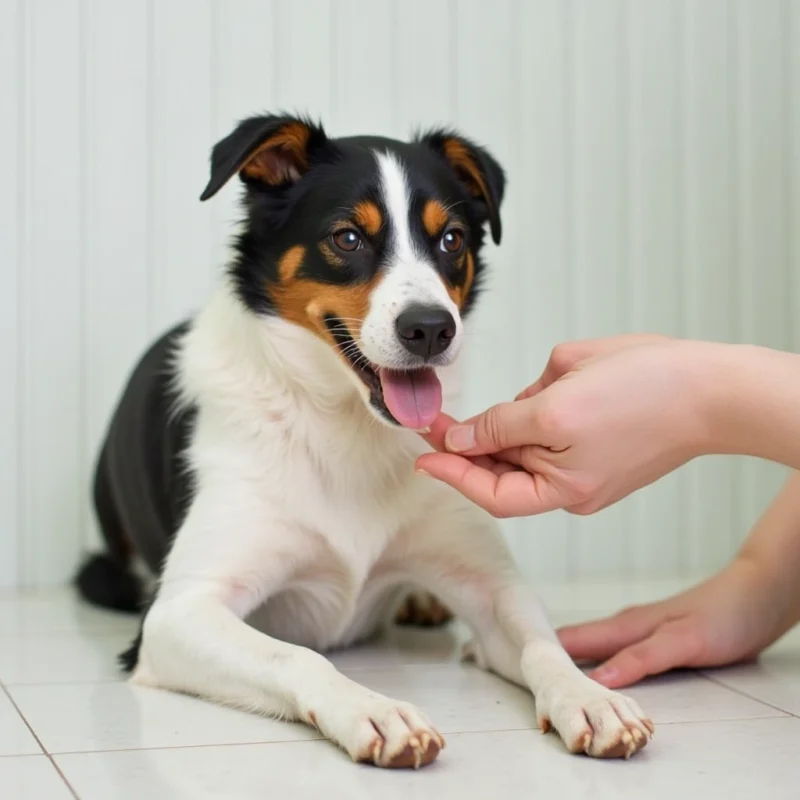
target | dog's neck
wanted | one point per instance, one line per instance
(254, 367)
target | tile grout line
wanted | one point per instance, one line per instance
(46, 753)
(22, 755)
(104, 751)
(742, 693)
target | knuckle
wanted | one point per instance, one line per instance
(548, 417)
(494, 430)
(693, 641)
(586, 496)
(640, 656)
(628, 613)
(563, 357)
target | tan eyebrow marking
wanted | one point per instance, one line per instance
(367, 215)
(434, 217)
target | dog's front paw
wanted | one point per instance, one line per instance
(384, 732)
(593, 720)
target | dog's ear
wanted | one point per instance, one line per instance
(475, 168)
(272, 150)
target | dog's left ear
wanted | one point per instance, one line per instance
(270, 150)
(475, 168)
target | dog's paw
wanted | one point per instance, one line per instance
(423, 610)
(593, 720)
(385, 733)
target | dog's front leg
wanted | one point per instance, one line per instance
(195, 640)
(461, 557)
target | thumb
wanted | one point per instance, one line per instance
(603, 638)
(670, 646)
(501, 427)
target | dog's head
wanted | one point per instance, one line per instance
(371, 244)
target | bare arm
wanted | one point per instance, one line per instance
(752, 401)
(730, 617)
(607, 418)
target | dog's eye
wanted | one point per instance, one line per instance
(347, 240)
(451, 242)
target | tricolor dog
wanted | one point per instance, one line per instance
(261, 459)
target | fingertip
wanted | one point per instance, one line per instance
(437, 431)
(445, 467)
(460, 438)
(566, 636)
(606, 675)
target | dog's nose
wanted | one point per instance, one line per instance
(426, 331)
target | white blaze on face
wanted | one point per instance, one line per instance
(412, 393)
(409, 278)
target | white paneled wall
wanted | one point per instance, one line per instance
(652, 153)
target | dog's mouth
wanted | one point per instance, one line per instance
(410, 398)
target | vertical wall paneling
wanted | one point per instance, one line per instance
(52, 291)
(116, 269)
(12, 94)
(654, 142)
(422, 47)
(653, 165)
(601, 297)
(762, 209)
(298, 44)
(486, 83)
(245, 72)
(708, 210)
(181, 130)
(361, 42)
(542, 259)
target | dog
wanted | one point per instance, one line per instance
(260, 461)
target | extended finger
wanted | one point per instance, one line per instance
(435, 436)
(669, 646)
(603, 638)
(513, 493)
(501, 427)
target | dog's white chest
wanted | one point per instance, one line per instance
(328, 604)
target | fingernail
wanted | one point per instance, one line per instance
(460, 438)
(604, 674)
(424, 430)
(422, 472)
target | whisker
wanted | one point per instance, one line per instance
(453, 205)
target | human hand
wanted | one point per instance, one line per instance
(731, 617)
(605, 418)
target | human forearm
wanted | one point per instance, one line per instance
(751, 400)
(774, 543)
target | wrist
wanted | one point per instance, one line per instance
(769, 582)
(746, 400)
(706, 385)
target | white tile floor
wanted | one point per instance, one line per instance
(69, 727)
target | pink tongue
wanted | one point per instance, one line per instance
(414, 398)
